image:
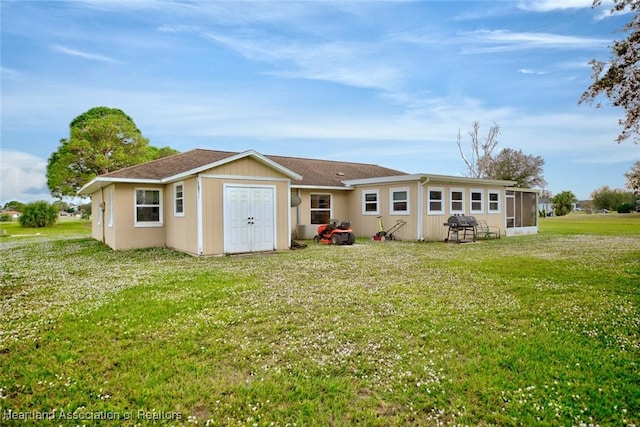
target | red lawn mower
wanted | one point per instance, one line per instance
(335, 234)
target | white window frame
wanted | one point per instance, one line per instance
(392, 191)
(442, 201)
(176, 198)
(452, 201)
(471, 201)
(365, 193)
(489, 201)
(137, 223)
(330, 209)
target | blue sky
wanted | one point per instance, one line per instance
(389, 83)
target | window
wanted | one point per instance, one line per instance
(320, 208)
(435, 201)
(178, 199)
(477, 202)
(494, 201)
(370, 200)
(457, 200)
(148, 207)
(399, 201)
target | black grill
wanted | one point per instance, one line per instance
(461, 221)
(459, 227)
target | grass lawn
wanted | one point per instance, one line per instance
(531, 330)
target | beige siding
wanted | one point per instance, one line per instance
(434, 228)
(367, 224)
(123, 234)
(182, 230)
(245, 167)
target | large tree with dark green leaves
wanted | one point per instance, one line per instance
(101, 140)
(619, 78)
(514, 165)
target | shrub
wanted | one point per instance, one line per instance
(626, 208)
(5, 218)
(38, 214)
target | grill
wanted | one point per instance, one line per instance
(459, 227)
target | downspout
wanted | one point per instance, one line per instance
(423, 181)
(103, 208)
(200, 248)
(298, 208)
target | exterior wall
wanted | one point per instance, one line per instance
(341, 202)
(249, 172)
(366, 224)
(126, 234)
(434, 228)
(182, 230)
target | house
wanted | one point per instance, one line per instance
(207, 202)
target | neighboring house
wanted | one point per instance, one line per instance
(12, 214)
(545, 205)
(207, 202)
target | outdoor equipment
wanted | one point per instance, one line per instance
(388, 234)
(335, 234)
(459, 226)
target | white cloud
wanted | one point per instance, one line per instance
(84, 55)
(23, 177)
(505, 41)
(530, 71)
(550, 5)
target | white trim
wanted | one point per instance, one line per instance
(320, 209)
(452, 201)
(99, 182)
(443, 201)
(175, 199)
(321, 187)
(499, 201)
(225, 186)
(420, 208)
(392, 211)
(364, 201)
(244, 177)
(249, 153)
(471, 201)
(383, 180)
(199, 215)
(160, 205)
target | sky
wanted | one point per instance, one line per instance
(383, 82)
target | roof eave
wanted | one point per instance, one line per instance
(101, 182)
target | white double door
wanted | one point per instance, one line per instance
(249, 218)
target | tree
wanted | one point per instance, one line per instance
(514, 165)
(14, 205)
(606, 198)
(101, 140)
(633, 178)
(38, 214)
(509, 164)
(563, 203)
(619, 79)
(481, 150)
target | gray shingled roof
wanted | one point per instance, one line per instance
(314, 172)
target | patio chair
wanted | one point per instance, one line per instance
(485, 231)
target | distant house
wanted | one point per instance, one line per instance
(12, 214)
(207, 202)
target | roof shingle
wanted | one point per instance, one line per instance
(314, 172)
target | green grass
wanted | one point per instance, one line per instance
(531, 330)
(611, 224)
(65, 227)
